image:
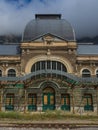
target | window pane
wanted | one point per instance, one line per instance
(32, 99)
(43, 65)
(9, 99)
(54, 65)
(97, 73)
(11, 73)
(65, 99)
(51, 99)
(48, 65)
(0, 73)
(58, 66)
(88, 99)
(38, 66)
(86, 73)
(33, 68)
(45, 100)
(64, 68)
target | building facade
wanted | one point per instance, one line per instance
(49, 70)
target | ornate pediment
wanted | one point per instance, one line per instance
(49, 38)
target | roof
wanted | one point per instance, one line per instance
(87, 49)
(9, 49)
(48, 16)
(57, 27)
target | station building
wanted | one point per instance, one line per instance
(49, 70)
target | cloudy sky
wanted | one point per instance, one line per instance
(82, 14)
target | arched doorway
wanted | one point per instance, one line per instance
(48, 98)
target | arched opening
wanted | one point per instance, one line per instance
(48, 98)
(11, 73)
(48, 65)
(86, 73)
(48, 68)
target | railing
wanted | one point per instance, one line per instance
(65, 75)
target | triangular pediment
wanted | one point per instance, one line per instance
(49, 37)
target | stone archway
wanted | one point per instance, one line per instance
(35, 59)
(49, 90)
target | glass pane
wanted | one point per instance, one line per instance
(89, 101)
(9, 100)
(86, 73)
(45, 100)
(0, 73)
(62, 101)
(48, 90)
(64, 68)
(51, 99)
(29, 101)
(58, 66)
(48, 65)
(38, 66)
(34, 101)
(97, 73)
(54, 65)
(11, 73)
(43, 65)
(33, 68)
(67, 101)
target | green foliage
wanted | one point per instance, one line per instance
(45, 116)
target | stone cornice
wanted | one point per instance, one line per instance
(86, 58)
(10, 58)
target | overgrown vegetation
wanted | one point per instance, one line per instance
(45, 116)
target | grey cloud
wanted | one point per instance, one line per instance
(82, 14)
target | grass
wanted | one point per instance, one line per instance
(45, 116)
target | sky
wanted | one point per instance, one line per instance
(82, 14)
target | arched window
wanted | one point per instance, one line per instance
(97, 73)
(86, 73)
(11, 73)
(48, 65)
(0, 73)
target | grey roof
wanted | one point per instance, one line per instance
(87, 49)
(9, 49)
(57, 27)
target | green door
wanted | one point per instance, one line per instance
(48, 101)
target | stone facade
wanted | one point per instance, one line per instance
(48, 87)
